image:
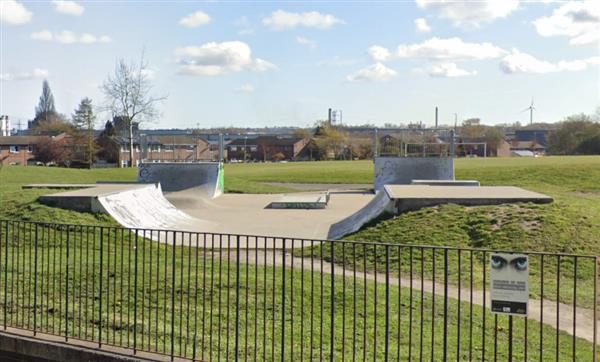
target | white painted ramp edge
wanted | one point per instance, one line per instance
(377, 206)
(147, 208)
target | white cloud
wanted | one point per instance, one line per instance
(68, 7)
(14, 13)
(213, 58)
(379, 53)
(36, 73)
(448, 70)
(579, 21)
(470, 13)
(65, 37)
(195, 20)
(421, 25)
(374, 73)
(450, 49)
(283, 20)
(306, 41)
(518, 62)
(244, 88)
(69, 37)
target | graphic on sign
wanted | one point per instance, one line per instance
(509, 278)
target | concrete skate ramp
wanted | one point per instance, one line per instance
(247, 214)
(147, 208)
(402, 170)
(205, 178)
(376, 207)
(414, 197)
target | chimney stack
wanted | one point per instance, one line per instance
(436, 117)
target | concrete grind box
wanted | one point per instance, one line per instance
(402, 170)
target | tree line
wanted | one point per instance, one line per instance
(127, 97)
(576, 135)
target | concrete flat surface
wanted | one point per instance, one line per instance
(95, 190)
(246, 213)
(424, 192)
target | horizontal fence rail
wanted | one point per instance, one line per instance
(204, 296)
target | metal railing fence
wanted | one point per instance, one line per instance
(204, 296)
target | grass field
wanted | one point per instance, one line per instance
(87, 290)
(568, 225)
(571, 224)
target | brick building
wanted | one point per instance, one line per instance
(18, 150)
(267, 148)
(165, 148)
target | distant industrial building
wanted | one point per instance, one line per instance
(539, 136)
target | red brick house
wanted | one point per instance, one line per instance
(180, 148)
(267, 148)
(18, 150)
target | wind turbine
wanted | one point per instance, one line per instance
(530, 109)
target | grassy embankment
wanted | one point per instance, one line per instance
(568, 225)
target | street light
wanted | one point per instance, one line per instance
(245, 142)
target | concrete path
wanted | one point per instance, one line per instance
(584, 317)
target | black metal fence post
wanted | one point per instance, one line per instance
(387, 302)
(135, 280)
(332, 326)
(100, 287)
(67, 288)
(445, 305)
(510, 338)
(237, 295)
(35, 283)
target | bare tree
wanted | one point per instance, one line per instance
(128, 95)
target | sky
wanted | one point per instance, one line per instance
(263, 63)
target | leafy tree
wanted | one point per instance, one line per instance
(301, 133)
(108, 147)
(54, 150)
(45, 108)
(590, 145)
(331, 141)
(128, 95)
(83, 120)
(53, 127)
(567, 139)
(45, 111)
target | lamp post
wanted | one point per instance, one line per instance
(245, 142)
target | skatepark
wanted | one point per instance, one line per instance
(190, 197)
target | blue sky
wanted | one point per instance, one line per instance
(284, 63)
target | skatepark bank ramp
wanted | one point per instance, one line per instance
(206, 177)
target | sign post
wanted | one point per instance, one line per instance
(509, 291)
